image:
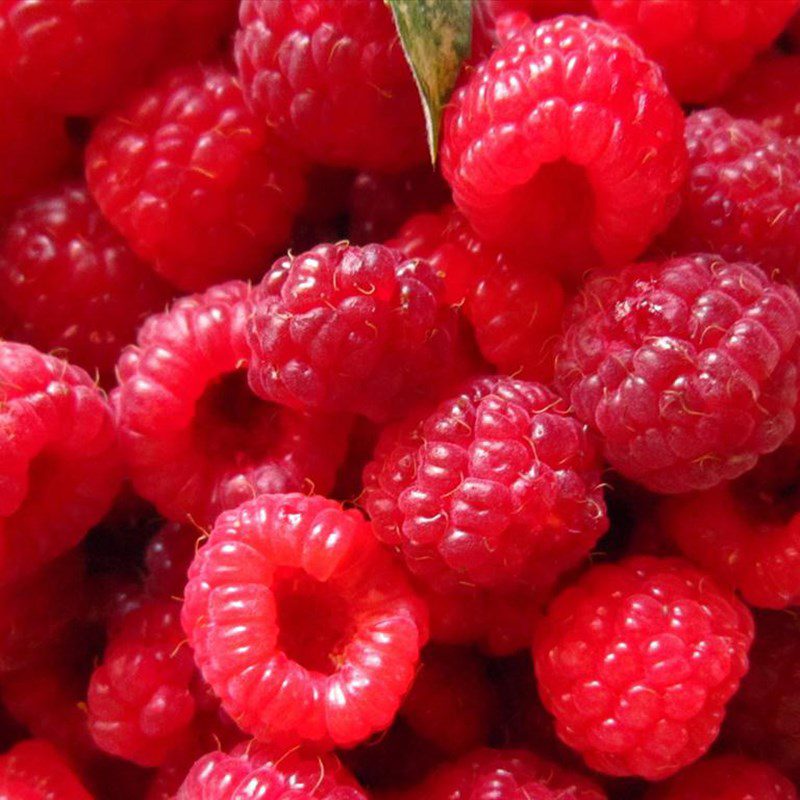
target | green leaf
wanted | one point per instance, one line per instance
(435, 35)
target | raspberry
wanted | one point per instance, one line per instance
(742, 199)
(769, 93)
(60, 467)
(636, 661)
(701, 46)
(688, 368)
(195, 438)
(331, 78)
(515, 311)
(193, 181)
(35, 770)
(565, 145)
(353, 329)
(326, 629)
(269, 773)
(508, 774)
(730, 777)
(71, 283)
(498, 487)
(79, 56)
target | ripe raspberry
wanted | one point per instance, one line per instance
(742, 199)
(353, 329)
(688, 368)
(60, 467)
(35, 770)
(195, 438)
(78, 56)
(515, 311)
(637, 660)
(269, 773)
(701, 46)
(331, 78)
(730, 777)
(326, 629)
(565, 145)
(70, 282)
(193, 181)
(498, 487)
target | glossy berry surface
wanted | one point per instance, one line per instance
(35, 770)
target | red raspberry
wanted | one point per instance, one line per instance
(742, 199)
(193, 181)
(195, 437)
(702, 45)
(35, 770)
(78, 56)
(508, 774)
(498, 487)
(565, 145)
(60, 467)
(730, 777)
(637, 660)
(354, 329)
(70, 282)
(326, 629)
(688, 368)
(330, 76)
(515, 311)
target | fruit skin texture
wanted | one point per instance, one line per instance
(60, 464)
(71, 283)
(701, 46)
(196, 185)
(687, 368)
(499, 487)
(730, 777)
(351, 329)
(565, 145)
(742, 198)
(331, 78)
(327, 630)
(636, 661)
(35, 770)
(195, 438)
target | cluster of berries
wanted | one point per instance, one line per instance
(329, 476)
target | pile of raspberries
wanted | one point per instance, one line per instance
(329, 475)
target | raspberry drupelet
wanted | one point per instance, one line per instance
(687, 368)
(196, 185)
(636, 661)
(35, 770)
(702, 45)
(352, 329)
(71, 283)
(742, 198)
(498, 487)
(60, 463)
(303, 626)
(331, 78)
(565, 146)
(195, 438)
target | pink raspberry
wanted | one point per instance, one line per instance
(731, 777)
(197, 185)
(60, 466)
(355, 329)
(327, 629)
(702, 45)
(330, 76)
(499, 487)
(687, 368)
(742, 199)
(195, 438)
(636, 661)
(35, 770)
(566, 146)
(71, 283)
